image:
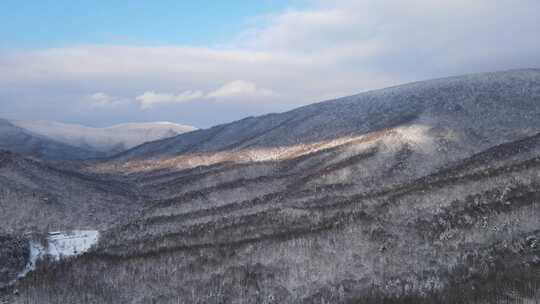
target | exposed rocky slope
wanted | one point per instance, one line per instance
(428, 192)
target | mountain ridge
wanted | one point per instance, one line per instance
(357, 114)
(107, 140)
(30, 144)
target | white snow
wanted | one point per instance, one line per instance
(115, 138)
(36, 253)
(60, 245)
(65, 244)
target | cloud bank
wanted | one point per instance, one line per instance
(279, 62)
(150, 99)
(102, 100)
(239, 90)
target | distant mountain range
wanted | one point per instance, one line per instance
(58, 141)
(28, 143)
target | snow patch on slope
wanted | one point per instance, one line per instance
(36, 253)
(60, 245)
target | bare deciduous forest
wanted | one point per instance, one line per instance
(423, 193)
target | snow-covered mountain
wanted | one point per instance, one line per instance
(108, 140)
(428, 192)
(423, 193)
(480, 110)
(27, 143)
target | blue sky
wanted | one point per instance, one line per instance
(203, 63)
(58, 23)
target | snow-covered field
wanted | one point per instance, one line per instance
(60, 245)
(66, 244)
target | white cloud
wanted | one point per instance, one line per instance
(103, 100)
(150, 99)
(240, 89)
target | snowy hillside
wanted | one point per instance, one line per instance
(60, 245)
(480, 109)
(30, 144)
(66, 244)
(423, 193)
(108, 140)
(56, 246)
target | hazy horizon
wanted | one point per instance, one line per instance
(205, 63)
